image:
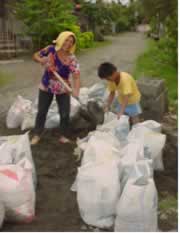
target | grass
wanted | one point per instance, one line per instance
(154, 64)
(4, 79)
(169, 202)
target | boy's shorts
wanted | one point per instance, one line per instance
(131, 110)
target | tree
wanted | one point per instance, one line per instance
(45, 19)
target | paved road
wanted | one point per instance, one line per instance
(123, 52)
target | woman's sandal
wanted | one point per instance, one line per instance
(64, 140)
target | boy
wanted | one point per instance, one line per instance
(128, 93)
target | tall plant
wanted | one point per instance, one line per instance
(45, 19)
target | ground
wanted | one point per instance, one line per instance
(56, 166)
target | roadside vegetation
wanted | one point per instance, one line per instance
(155, 63)
(44, 20)
(160, 58)
(4, 78)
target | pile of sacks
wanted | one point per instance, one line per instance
(17, 179)
(22, 112)
(114, 184)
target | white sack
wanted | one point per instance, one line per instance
(153, 125)
(131, 154)
(109, 116)
(14, 148)
(53, 121)
(101, 147)
(96, 91)
(153, 143)
(17, 191)
(29, 119)
(98, 190)
(75, 106)
(16, 112)
(137, 208)
(83, 95)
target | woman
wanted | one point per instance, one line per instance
(59, 57)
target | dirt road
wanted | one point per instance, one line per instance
(26, 76)
(56, 206)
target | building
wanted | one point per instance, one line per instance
(12, 41)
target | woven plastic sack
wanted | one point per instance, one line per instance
(16, 112)
(153, 143)
(14, 148)
(137, 208)
(17, 191)
(101, 147)
(98, 190)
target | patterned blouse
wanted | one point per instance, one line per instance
(49, 83)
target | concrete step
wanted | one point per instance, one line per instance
(7, 46)
(13, 50)
(11, 53)
(6, 41)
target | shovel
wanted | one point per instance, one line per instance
(84, 111)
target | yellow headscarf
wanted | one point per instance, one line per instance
(61, 39)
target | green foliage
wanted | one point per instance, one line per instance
(157, 63)
(169, 202)
(103, 15)
(123, 16)
(4, 78)
(85, 40)
(45, 19)
(96, 14)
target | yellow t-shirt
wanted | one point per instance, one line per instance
(126, 86)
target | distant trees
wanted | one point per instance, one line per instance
(107, 17)
(162, 15)
(45, 19)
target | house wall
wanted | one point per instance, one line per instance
(8, 22)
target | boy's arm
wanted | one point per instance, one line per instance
(109, 101)
(123, 106)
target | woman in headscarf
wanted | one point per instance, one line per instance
(59, 57)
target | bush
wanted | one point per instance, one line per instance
(44, 20)
(85, 40)
(156, 62)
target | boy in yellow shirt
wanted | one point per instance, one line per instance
(128, 93)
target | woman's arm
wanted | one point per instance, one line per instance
(76, 85)
(42, 59)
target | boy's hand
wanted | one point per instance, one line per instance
(119, 115)
(106, 108)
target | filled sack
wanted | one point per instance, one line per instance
(16, 112)
(17, 191)
(137, 207)
(98, 190)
